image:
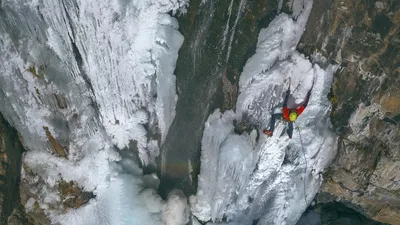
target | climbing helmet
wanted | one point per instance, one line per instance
(293, 115)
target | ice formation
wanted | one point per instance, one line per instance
(270, 179)
(80, 78)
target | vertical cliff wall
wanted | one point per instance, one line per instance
(363, 38)
(10, 169)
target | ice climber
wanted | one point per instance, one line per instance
(288, 114)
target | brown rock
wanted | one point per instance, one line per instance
(363, 38)
(56, 147)
(391, 102)
(72, 196)
(387, 175)
(388, 215)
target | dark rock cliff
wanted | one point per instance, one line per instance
(363, 37)
(10, 169)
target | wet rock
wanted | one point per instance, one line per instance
(363, 38)
(10, 164)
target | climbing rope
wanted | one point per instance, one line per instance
(305, 161)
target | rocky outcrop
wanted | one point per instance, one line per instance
(34, 216)
(72, 196)
(18, 205)
(334, 213)
(18, 217)
(363, 38)
(13, 193)
(10, 169)
(55, 146)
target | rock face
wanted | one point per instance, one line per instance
(363, 38)
(10, 169)
(13, 192)
(334, 214)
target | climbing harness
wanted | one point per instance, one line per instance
(305, 161)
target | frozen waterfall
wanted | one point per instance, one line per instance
(80, 77)
(242, 178)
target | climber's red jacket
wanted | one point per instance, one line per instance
(286, 111)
